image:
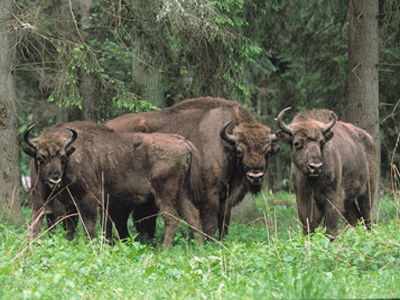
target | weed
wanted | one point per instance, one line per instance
(270, 259)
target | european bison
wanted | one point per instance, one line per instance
(234, 147)
(86, 162)
(333, 165)
(46, 204)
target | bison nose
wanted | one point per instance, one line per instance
(255, 178)
(53, 181)
(314, 169)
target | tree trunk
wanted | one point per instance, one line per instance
(87, 91)
(87, 84)
(10, 178)
(363, 79)
(147, 77)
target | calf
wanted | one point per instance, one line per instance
(85, 162)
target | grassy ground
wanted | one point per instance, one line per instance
(269, 259)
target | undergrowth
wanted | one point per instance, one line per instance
(263, 260)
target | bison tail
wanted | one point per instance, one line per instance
(194, 176)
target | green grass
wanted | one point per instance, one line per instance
(270, 259)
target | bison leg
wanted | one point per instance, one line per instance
(224, 219)
(51, 221)
(210, 212)
(70, 224)
(309, 214)
(37, 220)
(192, 216)
(365, 203)
(167, 196)
(117, 215)
(351, 212)
(333, 213)
(145, 217)
(121, 225)
(236, 193)
(171, 222)
(88, 210)
(332, 221)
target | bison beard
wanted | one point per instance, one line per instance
(132, 170)
(333, 169)
(234, 147)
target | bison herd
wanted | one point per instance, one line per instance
(195, 160)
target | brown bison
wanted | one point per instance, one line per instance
(333, 168)
(234, 147)
(48, 206)
(88, 164)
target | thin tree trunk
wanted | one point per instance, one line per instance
(87, 90)
(363, 79)
(148, 78)
(10, 178)
(87, 85)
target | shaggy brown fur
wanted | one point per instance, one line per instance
(45, 203)
(331, 171)
(130, 170)
(230, 167)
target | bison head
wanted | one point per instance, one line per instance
(307, 139)
(254, 145)
(50, 154)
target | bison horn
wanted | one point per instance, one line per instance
(27, 139)
(282, 124)
(329, 126)
(72, 138)
(226, 136)
(273, 138)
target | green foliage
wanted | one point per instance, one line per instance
(264, 260)
(307, 46)
(197, 46)
(63, 56)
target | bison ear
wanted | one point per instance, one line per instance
(30, 151)
(284, 137)
(69, 151)
(142, 126)
(275, 149)
(328, 136)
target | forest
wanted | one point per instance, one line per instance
(68, 60)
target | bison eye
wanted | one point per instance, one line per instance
(297, 145)
(239, 152)
(40, 159)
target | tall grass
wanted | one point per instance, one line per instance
(267, 259)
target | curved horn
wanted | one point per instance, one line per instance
(72, 138)
(329, 126)
(27, 139)
(273, 138)
(282, 124)
(226, 136)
